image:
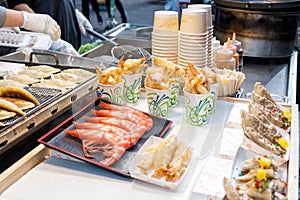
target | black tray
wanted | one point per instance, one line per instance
(58, 139)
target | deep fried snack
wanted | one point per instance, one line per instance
(110, 76)
(6, 105)
(156, 79)
(168, 159)
(20, 103)
(132, 66)
(196, 82)
(18, 93)
(5, 114)
(171, 70)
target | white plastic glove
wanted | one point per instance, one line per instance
(83, 22)
(41, 23)
(63, 47)
(16, 29)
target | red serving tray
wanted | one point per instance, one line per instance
(58, 139)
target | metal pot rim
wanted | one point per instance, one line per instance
(260, 4)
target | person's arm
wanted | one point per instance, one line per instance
(10, 18)
(30, 21)
(23, 6)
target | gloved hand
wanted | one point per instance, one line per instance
(16, 29)
(83, 22)
(63, 47)
(41, 23)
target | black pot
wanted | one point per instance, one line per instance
(266, 29)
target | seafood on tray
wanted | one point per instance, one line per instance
(260, 178)
(112, 130)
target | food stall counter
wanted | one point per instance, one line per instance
(48, 174)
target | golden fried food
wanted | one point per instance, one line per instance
(21, 103)
(171, 70)
(18, 93)
(132, 66)
(110, 76)
(196, 82)
(168, 159)
(6, 105)
(5, 114)
(156, 79)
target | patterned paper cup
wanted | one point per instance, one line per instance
(113, 93)
(174, 96)
(132, 86)
(158, 101)
(197, 108)
(213, 96)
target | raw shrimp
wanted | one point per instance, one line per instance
(147, 121)
(91, 140)
(113, 147)
(104, 128)
(135, 131)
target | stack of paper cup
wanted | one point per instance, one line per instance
(193, 38)
(210, 29)
(165, 35)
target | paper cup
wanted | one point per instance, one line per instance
(196, 108)
(165, 22)
(158, 101)
(113, 93)
(193, 21)
(174, 96)
(208, 12)
(132, 86)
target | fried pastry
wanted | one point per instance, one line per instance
(35, 74)
(60, 83)
(44, 68)
(80, 72)
(131, 66)
(7, 83)
(18, 93)
(262, 91)
(265, 115)
(23, 79)
(69, 77)
(267, 131)
(5, 114)
(21, 103)
(266, 103)
(6, 105)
